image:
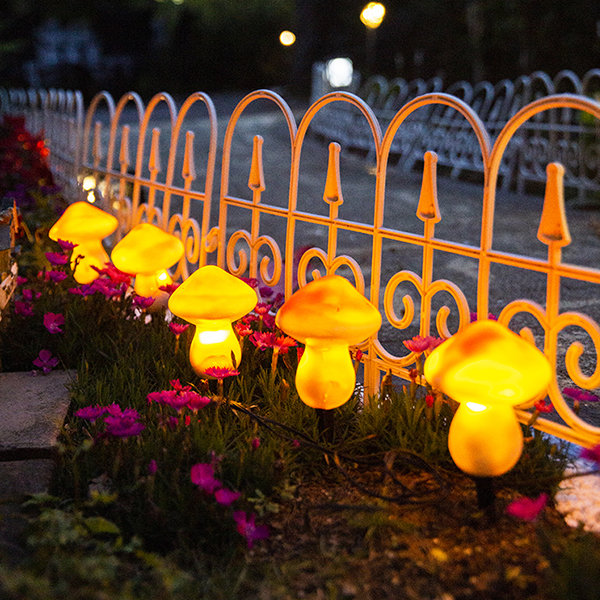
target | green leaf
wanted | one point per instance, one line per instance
(100, 525)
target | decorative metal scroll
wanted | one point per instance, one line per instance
(411, 300)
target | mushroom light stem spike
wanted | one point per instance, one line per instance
(211, 299)
(489, 370)
(147, 252)
(327, 315)
(86, 226)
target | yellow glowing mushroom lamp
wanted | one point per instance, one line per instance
(86, 226)
(327, 315)
(210, 298)
(147, 252)
(489, 370)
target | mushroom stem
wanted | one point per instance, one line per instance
(147, 284)
(90, 254)
(214, 345)
(486, 497)
(325, 376)
(326, 424)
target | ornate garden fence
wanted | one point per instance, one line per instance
(125, 158)
(564, 133)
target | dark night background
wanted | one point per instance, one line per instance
(183, 46)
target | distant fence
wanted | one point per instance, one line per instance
(139, 187)
(564, 135)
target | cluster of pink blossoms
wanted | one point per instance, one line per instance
(119, 422)
(181, 396)
(420, 344)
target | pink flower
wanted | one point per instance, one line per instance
(226, 497)
(142, 302)
(178, 328)
(82, 290)
(592, 454)
(114, 274)
(242, 329)
(66, 246)
(296, 443)
(176, 385)
(542, 407)
(30, 294)
(169, 289)
(163, 397)
(418, 344)
(123, 425)
(263, 340)
(56, 276)
(56, 258)
(24, 309)
(255, 443)
(247, 527)
(251, 281)
(527, 509)
(195, 401)
(491, 317)
(90, 413)
(203, 475)
(262, 308)
(21, 280)
(429, 400)
(581, 395)
(45, 361)
(152, 467)
(53, 322)
(221, 372)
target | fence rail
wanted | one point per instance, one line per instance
(126, 158)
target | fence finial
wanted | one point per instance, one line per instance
(333, 188)
(256, 180)
(428, 210)
(553, 227)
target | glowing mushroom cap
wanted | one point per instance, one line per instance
(212, 293)
(487, 363)
(146, 249)
(82, 221)
(329, 308)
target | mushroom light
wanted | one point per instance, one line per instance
(489, 370)
(147, 252)
(210, 298)
(86, 226)
(327, 315)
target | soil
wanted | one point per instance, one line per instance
(332, 541)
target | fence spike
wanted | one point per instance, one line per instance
(124, 150)
(154, 161)
(256, 179)
(553, 227)
(428, 209)
(333, 188)
(188, 171)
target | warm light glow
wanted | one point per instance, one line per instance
(210, 298)
(328, 315)
(88, 183)
(86, 226)
(339, 72)
(489, 370)
(287, 38)
(147, 252)
(372, 15)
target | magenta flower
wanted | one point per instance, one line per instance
(429, 400)
(30, 295)
(24, 309)
(90, 413)
(114, 274)
(542, 407)
(53, 322)
(247, 527)
(251, 281)
(169, 289)
(581, 395)
(162, 397)
(123, 425)
(242, 329)
(82, 290)
(255, 443)
(195, 401)
(56, 258)
(142, 302)
(178, 328)
(21, 280)
(221, 372)
(45, 361)
(418, 344)
(591, 454)
(56, 276)
(527, 509)
(203, 475)
(65, 245)
(226, 497)
(152, 467)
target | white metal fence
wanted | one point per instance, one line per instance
(419, 299)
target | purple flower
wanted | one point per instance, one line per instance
(30, 294)
(53, 322)
(527, 509)
(178, 328)
(226, 497)
(581, 395)
(90, 413)
(24, 309)
(195, 401)
(56, 258)
(21, 280)
(592, 454)
(247, 527)
(45, 361)
(57, 276)
(65, 245)
(152, 467)
(123, 426)
(203, 475)
(142, 302)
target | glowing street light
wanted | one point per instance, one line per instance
(372, 15)
(286, 38)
